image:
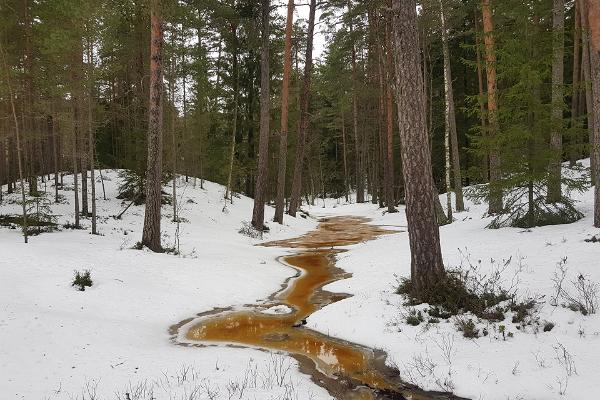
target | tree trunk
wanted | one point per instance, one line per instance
(360, 180)
(388, 139)
(345, 155)
(151, 234)
(285, 97)
(575, 153)
(18, 138)
(558, 55)
(258, 214)
(495, 197)
(236, 73)
(587, 74)
(304, 116)
(91, 135)
(480, 99)
(427, 267)
(450, 119)
(593, 13)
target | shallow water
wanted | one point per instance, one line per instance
(346, 370)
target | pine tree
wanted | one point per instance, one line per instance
(258, 214)
(152, 232)
(283, 134)
(427, 267)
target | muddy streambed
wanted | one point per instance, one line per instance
(347, 370)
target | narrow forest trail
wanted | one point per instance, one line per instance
(346, 370)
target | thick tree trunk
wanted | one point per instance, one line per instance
(151, 234)
(558, 55)
(258, 214)
(304, 116)
(427, 267)
(285, 97)
(593, 13)
(495, 197)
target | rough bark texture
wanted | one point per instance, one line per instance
(285, 98)
(594, 24)
(151, 234)
(426, 257)
(558, 55)
(495, 198)
(304, 117)
(258, 214)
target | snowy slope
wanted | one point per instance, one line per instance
(55, 340)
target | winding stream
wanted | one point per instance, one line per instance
(347, 370)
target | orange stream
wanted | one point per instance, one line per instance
(304, 296)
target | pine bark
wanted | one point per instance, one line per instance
(427, 267)
(304, 116)
(258, 214)
(558, 55)
(495, 196)
(151, 233)
(285, 98)
(593, 12)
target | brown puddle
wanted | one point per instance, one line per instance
(346, 370)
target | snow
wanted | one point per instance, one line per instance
(57, 342)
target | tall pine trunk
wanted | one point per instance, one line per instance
(304, 116)
(151, 234)
(258, 214)
(427, 267)
(558, 55)
(495, 196)
(593, 13)
(285, 98)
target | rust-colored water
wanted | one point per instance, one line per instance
(330, 356)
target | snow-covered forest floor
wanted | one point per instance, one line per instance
(60, 343)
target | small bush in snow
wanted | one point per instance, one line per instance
(581, 296)
(248, 230)
(81, 280)
(467, 327)
(414, 317)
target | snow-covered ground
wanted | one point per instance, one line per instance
(58, 343)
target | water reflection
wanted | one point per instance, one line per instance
(331, 356)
